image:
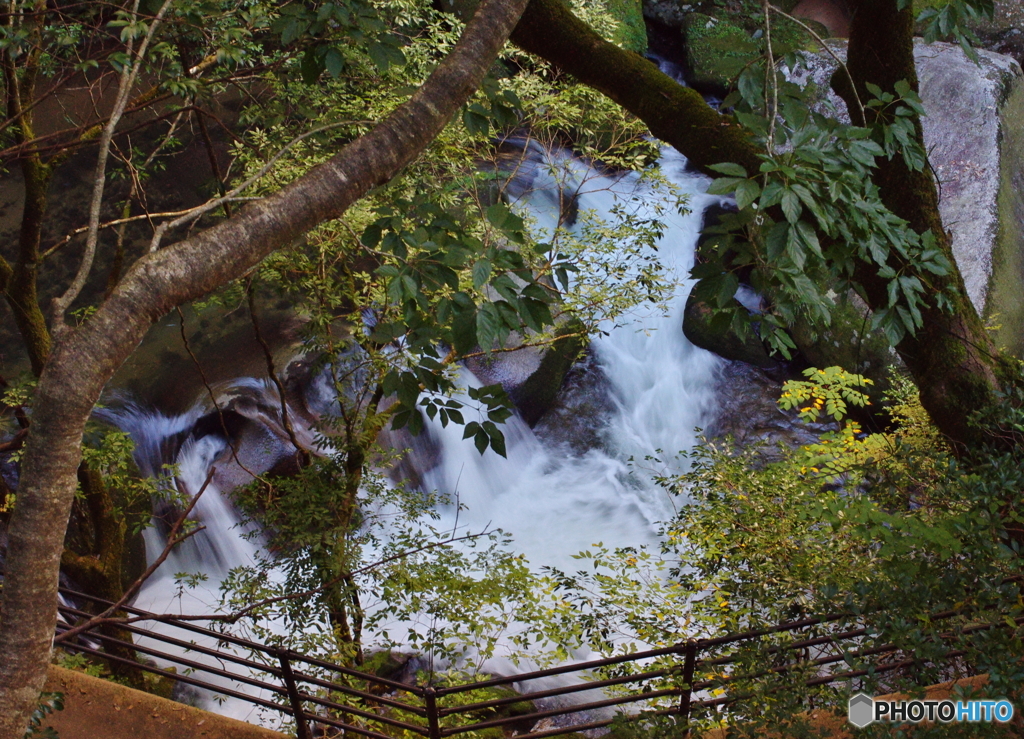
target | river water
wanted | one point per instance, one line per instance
(554, 498)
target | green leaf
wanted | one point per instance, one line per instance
(791, 206)
(728, 168)
(481, 273)
(334, 62)
(489, 326)
(746, 193)
(498, 214)
(724, 185)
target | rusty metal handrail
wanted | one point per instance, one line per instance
(284, 667)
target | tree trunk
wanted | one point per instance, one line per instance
(84, 359)
(951, 358)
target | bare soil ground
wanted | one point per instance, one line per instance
(99, 709)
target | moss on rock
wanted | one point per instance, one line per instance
(700, 328)
(719, 46)
(631, 33)
(848, 342)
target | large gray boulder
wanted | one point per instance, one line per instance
(974, 132)
(532, 375)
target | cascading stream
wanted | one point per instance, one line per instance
(554, 501)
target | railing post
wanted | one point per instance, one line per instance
(301, 728)
(689, 665)
(433, 725)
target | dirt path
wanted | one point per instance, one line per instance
(98, 709)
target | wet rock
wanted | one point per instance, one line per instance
(975, 138)
(578, 416)
(1009, 41)
(848, 342)
(703, 330)
(532, 375)
(671, 13)
(749, 414)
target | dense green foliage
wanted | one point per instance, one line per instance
(886, 529)
(892, 535)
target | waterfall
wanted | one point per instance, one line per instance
(556, 502)
(553, 499)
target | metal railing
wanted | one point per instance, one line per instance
(673, 681)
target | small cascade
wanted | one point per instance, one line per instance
(552, 499)
(196, 443)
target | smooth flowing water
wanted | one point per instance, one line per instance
(553, 500)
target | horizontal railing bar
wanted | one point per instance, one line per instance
(231, 639)
(191, 664)
(717, 661)
(824, 639)
(181, 678)
(868, 652)
(414, 689)
(360, 712)
(825, 680)
(578, 688)
(794, 625)
(574, 728)
(190, 646)
(785, 626)
(354, 729)
(418, 710)
(677, 649)
(561, 711)
(578, 667)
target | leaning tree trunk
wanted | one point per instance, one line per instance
(951, 358)
(82, 360)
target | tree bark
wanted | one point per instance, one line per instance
(953, 363)
(82, 360)
(675, 114)
(19, 282)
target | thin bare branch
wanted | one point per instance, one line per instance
(129, 75)
(173, 540)
(201, 210)
(269, 357)
(235, 616)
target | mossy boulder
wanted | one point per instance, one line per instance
(701, 328)
(631, 33)
(716, 48)
(848, 342)
(533, 375)
(719, 46)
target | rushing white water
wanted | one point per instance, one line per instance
(552, 500)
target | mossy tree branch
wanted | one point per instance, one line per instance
(675, 114)
(20, 280)
(950, 357)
